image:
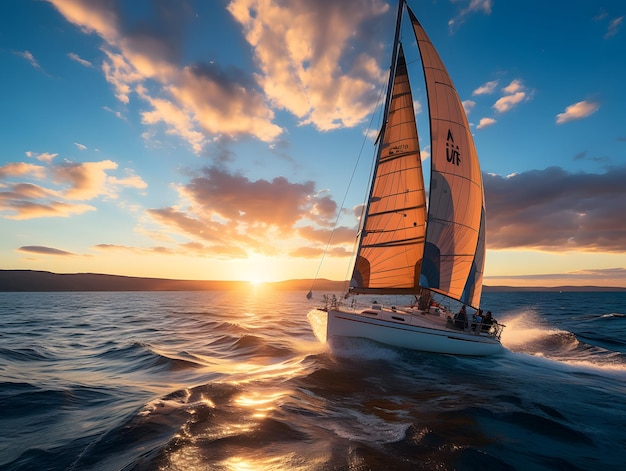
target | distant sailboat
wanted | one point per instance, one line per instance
(409, 247)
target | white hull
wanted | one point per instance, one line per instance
(411, 329)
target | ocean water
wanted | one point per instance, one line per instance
(237, 381)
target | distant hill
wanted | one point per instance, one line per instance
(32, 280)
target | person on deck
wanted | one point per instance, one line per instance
(460, 318)
(478, 319)
(487, 322)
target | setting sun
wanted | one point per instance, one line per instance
(258, 269)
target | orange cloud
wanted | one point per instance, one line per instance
(304, 70)
(579, 110)
(325, 80)
(185, 99)
(87, 180)
(63, 185)
(341, 235)
(229, 215)
(16, 169)
(44, 157)
(21, 210)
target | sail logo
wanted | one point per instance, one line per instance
(398, 149)
(452, 151)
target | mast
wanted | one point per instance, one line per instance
(392, 67)
(379, 139)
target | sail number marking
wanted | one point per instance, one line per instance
(452, 151)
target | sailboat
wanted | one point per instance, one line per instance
(407, 246)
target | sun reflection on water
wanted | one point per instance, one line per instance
(261, 402)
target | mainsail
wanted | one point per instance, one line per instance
(401, 247)
(454, 253)
(392, 238)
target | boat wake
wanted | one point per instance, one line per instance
(526, 333)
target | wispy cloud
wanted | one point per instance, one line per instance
(601, 15)
(474, 6)
(614, 27)
(76, 58)
(80, 146)
(486, 89)
(41, 250)
(579, 110)
(117, 114)
(30, 58)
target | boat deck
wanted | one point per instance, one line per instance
(435, 318)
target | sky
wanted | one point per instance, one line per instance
(225, 139)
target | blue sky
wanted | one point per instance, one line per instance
(222, 139)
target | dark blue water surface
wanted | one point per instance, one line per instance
(237, 381)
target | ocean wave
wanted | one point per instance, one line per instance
(141, 356)
(25, 354)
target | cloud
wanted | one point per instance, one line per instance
(325, 80)
(340, 235)
(80, 146)
(30, 58)
(61, 190)
(16, 169)
(231, 215)
(26, 209)
(600, 277)
(468, 105)
(579, 110)
(474, 6)
(514, 93)
(485, 122)
(76, 58)
(506, 103)
(486, 89)
(614, 27)
(184, 249)
(40, 250)
(601, 14)
(555, 210)
(131, 180)
(86, 180)
(117, 114)
(317, 252)
(45, 157)
(143, 54)
(260, 203)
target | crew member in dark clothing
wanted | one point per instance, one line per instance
(460, 318)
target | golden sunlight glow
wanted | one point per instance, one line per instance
(255, 282)
(258, 269)
(261, 403)
(271, 463)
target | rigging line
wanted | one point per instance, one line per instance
(345, 196)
